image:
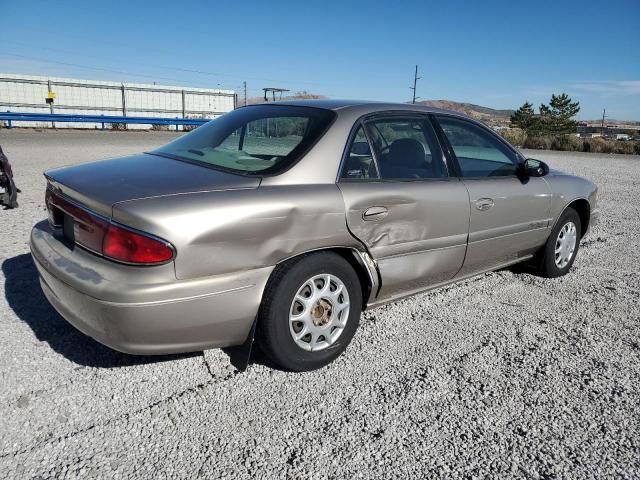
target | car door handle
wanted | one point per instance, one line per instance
(483, 204)
(375, 213)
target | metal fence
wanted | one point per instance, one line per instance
(42, 95)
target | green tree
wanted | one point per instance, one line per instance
(557, 117)
(543, 121)
(524, 117)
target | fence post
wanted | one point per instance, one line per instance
(102, 115)
(176, 124)
(124, 105)
(183, 105)
(9, 125)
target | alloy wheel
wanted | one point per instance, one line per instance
(319, 312)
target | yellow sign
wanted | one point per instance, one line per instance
(51, 95)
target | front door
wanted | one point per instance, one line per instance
(509, 215)
(403, 205)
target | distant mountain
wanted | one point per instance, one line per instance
(486, 114)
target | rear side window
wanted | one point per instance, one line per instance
(479, 153)
(406, 149)
(264, 139)
(359, 164)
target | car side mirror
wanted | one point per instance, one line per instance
(534, 168)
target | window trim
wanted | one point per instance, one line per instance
(403, 114)
(347, 149)
(517, 157)
(374, 154)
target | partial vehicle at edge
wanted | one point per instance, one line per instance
(8, 189)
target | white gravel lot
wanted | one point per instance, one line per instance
(503, 375)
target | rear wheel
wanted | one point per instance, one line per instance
(557, 256)
(310, 311)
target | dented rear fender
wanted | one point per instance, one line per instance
(221, 232)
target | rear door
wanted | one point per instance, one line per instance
(403, 205)
(509, 214)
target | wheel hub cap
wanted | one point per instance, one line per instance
(319, 312)
(565, 244)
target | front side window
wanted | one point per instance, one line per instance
(406, 149)
(264, 139)
(479, 153)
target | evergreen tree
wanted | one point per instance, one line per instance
(523, 117)
(544, 120)
(560, 113)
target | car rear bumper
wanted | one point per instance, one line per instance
(145, 310)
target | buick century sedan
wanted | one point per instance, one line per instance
(288, 219)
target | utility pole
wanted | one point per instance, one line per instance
(415, 80)
(602, 123)
(245, 92)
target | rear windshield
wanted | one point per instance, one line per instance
(263, 139)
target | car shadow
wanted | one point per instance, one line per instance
(521, 268)
(241, 359)
(25, 297)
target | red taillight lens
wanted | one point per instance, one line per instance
(99, 235)
(128, 246)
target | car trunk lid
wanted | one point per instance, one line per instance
(100, 185)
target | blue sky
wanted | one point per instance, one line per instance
(493, 53)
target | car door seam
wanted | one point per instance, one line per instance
(466, 250)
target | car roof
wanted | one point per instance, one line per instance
(363, 106)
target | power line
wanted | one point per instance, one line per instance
(162, 67)
(252, 92)
(44, 60)
(287, 82)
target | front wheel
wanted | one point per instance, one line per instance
(557, 256)
(310, 311)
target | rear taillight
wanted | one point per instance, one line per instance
(125, 245)
(85, 228)
(101, 236)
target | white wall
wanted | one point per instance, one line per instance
(27, 93)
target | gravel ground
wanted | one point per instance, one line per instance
(503, 375)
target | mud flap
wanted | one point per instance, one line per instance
(240, 355)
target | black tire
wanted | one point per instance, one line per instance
(546, 258)
(274, 335)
